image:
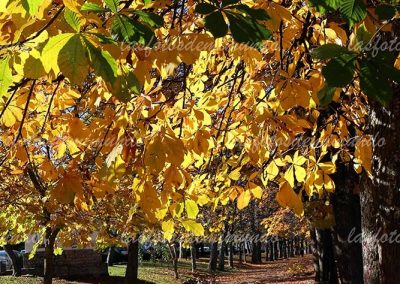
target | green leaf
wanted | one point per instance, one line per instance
(103, 38)
(325, 95)
(5, 75)
(32, 6)
(126, 85)
(73, 61)
(216, 24)
(52, 49)
(353, 10)
(112, 4)
(131, 32)
(383, 62)
(72, 19)
(151, 19)
(385, 12)
(324, 6)
(255, 14)
(247, 30)
(328, 51)
(102, 62)
(340, 70)
(92, 7)
(33, 68)
(123, 30)
(363, 37)
(205, 8)
(229, 2)
(374, 84)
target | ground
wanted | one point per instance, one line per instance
(297, 270)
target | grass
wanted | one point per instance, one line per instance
(149, 272)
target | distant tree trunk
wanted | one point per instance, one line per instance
(245, 249)
(131, 273)
(240, 254)
(276, 250)
(324, 260)
(231, 253)
(173, 250)
(180, 250)
(16, 263)
(271, 250)
(193, 255)
(380, 196)
(346, 208)
(256, 252)
(212, 264)
(51, 236)
(285, 248)
(221, 263)
(291, 248)
(280, 244)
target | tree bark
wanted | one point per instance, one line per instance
(324, 260)
(212, 264)
(16, 263)
(51, 236)
(193, 255)
(131, 273)
(276, 251)
(173, 250)
(240, 254)
(256, 252)
(231, 253)
(271, 250)
(380, 197)
(346, 208)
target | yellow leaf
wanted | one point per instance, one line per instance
(300, 173)
(243, 199)
(256, 190)
(286, 197)
(67, 187)
(363, 153)
(191, 209)
(289, 176)
(235, 174)
(168, 229)
(193, 227)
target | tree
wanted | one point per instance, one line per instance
(176, 111)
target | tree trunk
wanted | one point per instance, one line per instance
(271, 249)
(193, 255)
(276, 250)
(51, 236)
(221, 263)
(346, 208)
(180, 250)
(256, 252)
(131, 273)
(324, 260)
(231, 253)
(174, 252)
(212, 264)
(240, 254)
(380, 197)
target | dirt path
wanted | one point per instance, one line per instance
(294, 270)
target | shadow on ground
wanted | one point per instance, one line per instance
(104, 280)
